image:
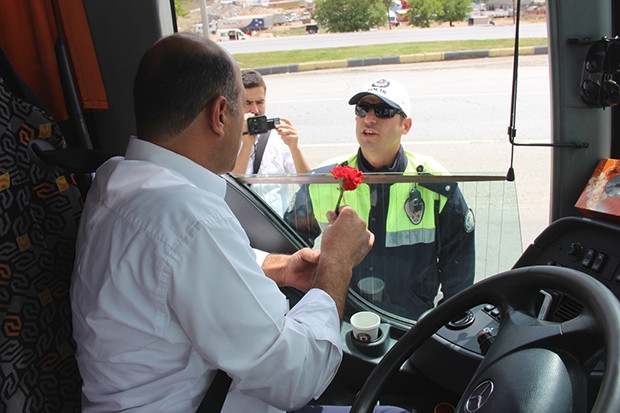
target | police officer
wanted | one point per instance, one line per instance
(424, 233)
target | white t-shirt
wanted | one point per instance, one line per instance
(277, 160)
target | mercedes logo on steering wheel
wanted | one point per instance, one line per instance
(479, 396)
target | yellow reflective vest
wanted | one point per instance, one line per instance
(401, 228)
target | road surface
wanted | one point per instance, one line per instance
(321, 41)
(460, 111)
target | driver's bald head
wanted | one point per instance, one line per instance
(176, 79)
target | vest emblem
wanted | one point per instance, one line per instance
(414, 207)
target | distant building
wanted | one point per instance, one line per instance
(510, 3)
(287, 4)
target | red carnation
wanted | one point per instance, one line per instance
(349, 178)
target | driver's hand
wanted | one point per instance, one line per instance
(346, 237)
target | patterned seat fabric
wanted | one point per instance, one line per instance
(39, 213)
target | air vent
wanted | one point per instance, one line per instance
(567, 309)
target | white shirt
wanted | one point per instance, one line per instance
(277, 160)
(166, 289)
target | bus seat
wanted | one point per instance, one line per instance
(40, 209)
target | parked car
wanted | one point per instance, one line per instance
(224, 35)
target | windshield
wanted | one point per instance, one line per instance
(452, 248)
(459, 113)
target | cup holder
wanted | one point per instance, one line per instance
(376, 348)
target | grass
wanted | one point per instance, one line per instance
(251, 60)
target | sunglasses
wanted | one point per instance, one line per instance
(603, 95)
(603, 56)
(382, 111)
(598, 87)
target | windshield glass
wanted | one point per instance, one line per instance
(460, 112)
(455, 230)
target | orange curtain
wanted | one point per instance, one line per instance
(28, 34)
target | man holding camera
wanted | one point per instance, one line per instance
(261, 153)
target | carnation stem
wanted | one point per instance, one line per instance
(338, 202)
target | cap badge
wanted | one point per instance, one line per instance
(381, 83)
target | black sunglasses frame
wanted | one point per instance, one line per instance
(382, 111)
(603, 56)
(598, 88)
(603, 95)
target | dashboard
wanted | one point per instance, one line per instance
(582, 244)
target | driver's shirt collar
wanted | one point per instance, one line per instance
(139, 149)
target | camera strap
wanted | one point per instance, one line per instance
(259, 150)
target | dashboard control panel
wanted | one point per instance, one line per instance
(582, 244)
(589, 246)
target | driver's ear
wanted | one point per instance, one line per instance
(217, 115)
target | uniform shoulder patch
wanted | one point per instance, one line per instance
(470, 221)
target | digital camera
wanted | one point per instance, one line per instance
(260, 124)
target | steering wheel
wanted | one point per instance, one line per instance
(533, 365)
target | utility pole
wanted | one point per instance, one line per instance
(205, 18)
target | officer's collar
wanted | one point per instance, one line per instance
(399, 165)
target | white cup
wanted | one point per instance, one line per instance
(371, 288)
(365, 326)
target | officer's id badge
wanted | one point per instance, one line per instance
(414, 206)
(470, 221)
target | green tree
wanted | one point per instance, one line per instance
(387, 4)
(349, 15)
(423, 12)
(454, 10)
(179, 9)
